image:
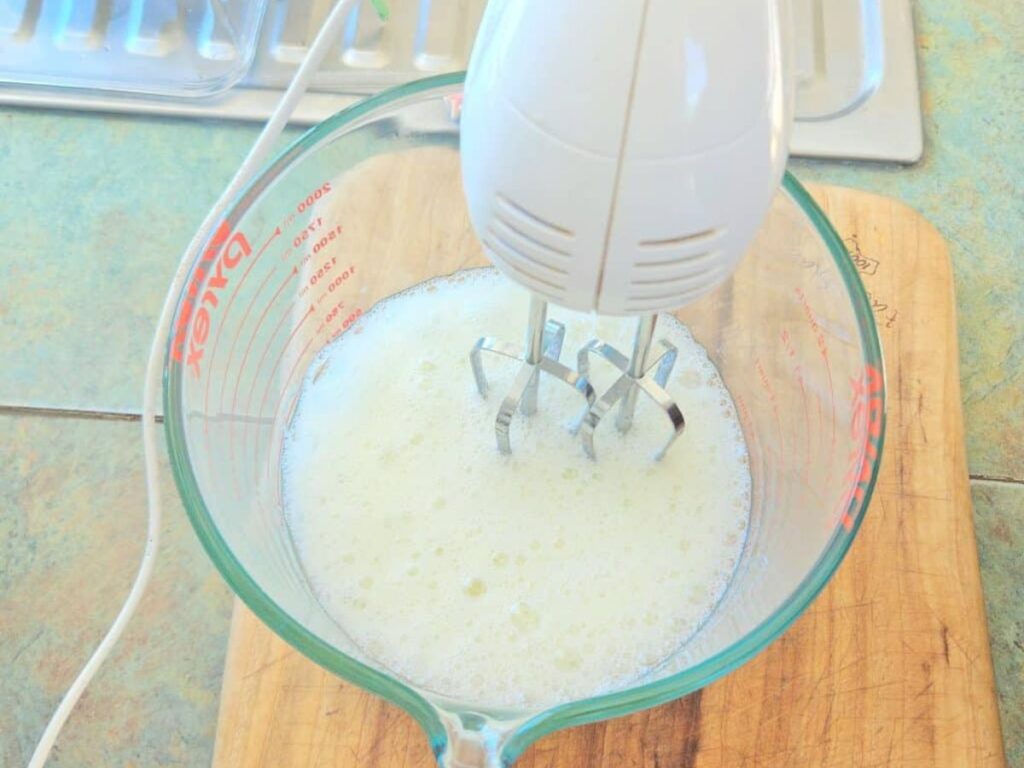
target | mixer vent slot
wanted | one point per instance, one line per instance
(670, 288)
(661, 302)
(647, 295)
(529, 269)
(674, 263)
(676, 279)
(688, 239)
(536, 228)
(658, 270)
(533, 252)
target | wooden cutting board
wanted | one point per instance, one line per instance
(890, 666)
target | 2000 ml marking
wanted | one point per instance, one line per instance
(225, 251)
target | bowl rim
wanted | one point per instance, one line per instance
(428, 711)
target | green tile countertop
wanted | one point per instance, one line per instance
(96, 212)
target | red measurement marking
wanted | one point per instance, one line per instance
(287, 221)
(227, 310)
(790, 350)
(787, 343)
(318, 193)
(289, 410)
(808, 312)
(259, 366)
(245, 358)
(280, 359)
(831, 387)
(274, 236)
(320, 248)
(263, 357)
(306, 231)
(866, 431)
(328, 271)
(801, 458)
(823, 350)
(252, 338)
(807, 428)
(287, 381)
(270, 378)
(766, 385)
(234, 342)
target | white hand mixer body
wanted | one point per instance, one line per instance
(619, 157)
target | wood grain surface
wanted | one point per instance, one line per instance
(890, 665)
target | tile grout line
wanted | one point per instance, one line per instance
(72, 413)
(80, 413)
(998, 479)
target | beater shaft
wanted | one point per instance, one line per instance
(639, 374)
(534, 352)
(543, 347)
(637, 366)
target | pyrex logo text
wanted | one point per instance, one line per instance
(225, 251)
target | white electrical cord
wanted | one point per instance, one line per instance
(329, 34)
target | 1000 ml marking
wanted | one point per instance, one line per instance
(327, 271)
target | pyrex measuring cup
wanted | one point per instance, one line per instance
(369, 203)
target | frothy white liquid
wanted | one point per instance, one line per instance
(520, 580)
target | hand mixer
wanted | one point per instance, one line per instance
(619, 157)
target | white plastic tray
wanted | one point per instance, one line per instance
(857, 74)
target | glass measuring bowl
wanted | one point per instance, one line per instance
(369, 203)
